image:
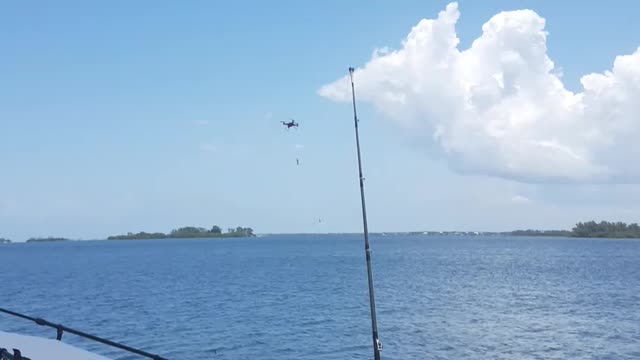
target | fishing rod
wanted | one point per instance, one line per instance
(377, 346)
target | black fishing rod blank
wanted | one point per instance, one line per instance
(377, 346)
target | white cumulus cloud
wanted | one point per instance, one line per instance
(519, 199)
(500, 107)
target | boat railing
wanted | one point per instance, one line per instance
(60, 329)
(17, 355)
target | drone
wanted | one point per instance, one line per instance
(290, 124)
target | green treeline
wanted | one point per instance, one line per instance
(605, 229)
(188, 232)
(47, 239)
(590, 229)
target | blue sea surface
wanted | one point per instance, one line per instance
(305, 297)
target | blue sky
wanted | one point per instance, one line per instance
(130, 116)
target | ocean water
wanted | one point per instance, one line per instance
(305, 297)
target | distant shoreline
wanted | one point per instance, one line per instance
(470, 234)
(588, 230)
(48, 239)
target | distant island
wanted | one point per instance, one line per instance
(48, 239)
(5, 241)
(188, 232)
(590, 229)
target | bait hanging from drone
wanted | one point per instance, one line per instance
(288, 126)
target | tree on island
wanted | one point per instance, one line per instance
(241, 230)
(188, 231)
(605, 229)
